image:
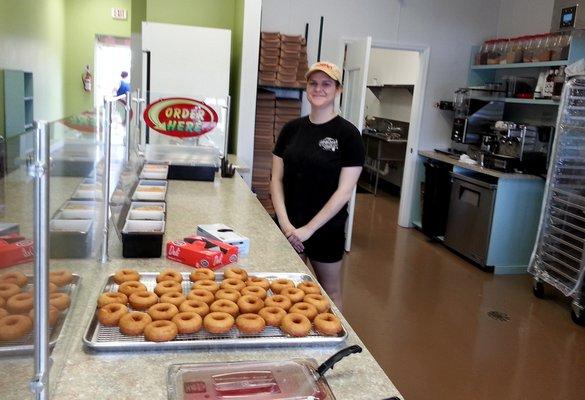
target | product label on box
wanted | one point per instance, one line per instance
(180, 117)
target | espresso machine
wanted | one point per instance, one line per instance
(476, 112)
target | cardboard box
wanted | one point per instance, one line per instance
(15, 249)
(200, 252)
(225, 234)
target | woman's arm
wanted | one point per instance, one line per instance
(277, 194)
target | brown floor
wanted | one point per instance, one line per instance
(422, 312)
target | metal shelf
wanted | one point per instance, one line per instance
(542, 102)
(522, 65)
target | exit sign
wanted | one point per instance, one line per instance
(119, 13)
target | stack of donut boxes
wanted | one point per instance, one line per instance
(283, 64)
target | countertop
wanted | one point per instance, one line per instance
(78, 373)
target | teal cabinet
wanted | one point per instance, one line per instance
(18, 102)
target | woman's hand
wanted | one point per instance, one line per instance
(299, 236)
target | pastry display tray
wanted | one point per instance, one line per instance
(103, 338)
(25, 345)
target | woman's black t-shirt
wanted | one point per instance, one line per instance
(313, 156)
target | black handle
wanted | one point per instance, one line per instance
(331, 361)
(227, 168)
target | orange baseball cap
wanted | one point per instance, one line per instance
(327, 67)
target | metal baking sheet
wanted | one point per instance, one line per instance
(103, 338)
(26, 344)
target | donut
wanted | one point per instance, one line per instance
(20, 303)
(272, 315)
(126, 275)
(175, 298)
(202, 295)
(14, 327)
(3, 302)
(232, 283)
(3, 313)
(206, 284)
(226, 306)
(130, 287)
(218, 322)
(277, 285)
(318, 300)
(53, 288)
(202, 274)
(235, 272)
(160, 331)
(327, 324)
(308, 310)
(134, 322)
(188, 322)
(53, 315)
(8, 290)
(295, 325)
(142, 300)
(309, 287)
(228, 294)
(250, 304)
(60, 300)
(250, 323)
(197, 306)
(167, 287)
(278, 300)
(294, 294)
(113, 297)
(169, 275)
(110, 314)
(16, 277)
(164, 311)
(60, 277)
(254, 291)
(255, 281)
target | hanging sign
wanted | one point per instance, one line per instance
(180, 117)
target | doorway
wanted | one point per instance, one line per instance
(112, 56)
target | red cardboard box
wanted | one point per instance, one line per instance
(15, 249)
(200, 252)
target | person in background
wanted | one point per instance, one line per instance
(124, 84)
(317, 161)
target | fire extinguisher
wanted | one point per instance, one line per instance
(86, 79)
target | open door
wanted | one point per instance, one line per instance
(355, 74)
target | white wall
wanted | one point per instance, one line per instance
(392, 104)
(522, 17)
(393, 67)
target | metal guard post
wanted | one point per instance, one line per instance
(107, 122)
(128, 109)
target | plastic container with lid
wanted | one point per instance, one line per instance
(514, 51)
(528, 49)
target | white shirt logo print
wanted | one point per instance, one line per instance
(329, 144)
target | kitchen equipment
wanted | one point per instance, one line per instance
(567, 15)
(469, 221)
(295, 379)
(476, 111)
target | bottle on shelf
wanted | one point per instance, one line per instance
(559, 82)
(547, 89)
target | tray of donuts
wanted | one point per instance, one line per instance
(171, 310)
(17, 308)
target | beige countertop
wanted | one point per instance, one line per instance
(79, 373)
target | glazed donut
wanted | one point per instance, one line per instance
(20, 303)
(110, 314)
(53, 288)
(228, 294)
(232, 283)
(235, 272)
(250, 323)
(160, 331)
(130, 287)
(14, 327)
(188, 322)
(277, 285)
(254, 291)
(8, 290)
(218, 322)
(309, 287)
(202, 274)
(164, 311)
(272, 315)
(60, 277)
(53, 315)
(308, 310)
(318, 300)
(175, 298)
(202, 295)
(226, 306)
(294, 294)
(167, 287)
(295, 325)
(250, 304)
(134, 322)
(206, 284)
(169, 275)
(142, 300)
(278, 300)
(59, 300)
(112, 297)
(15, 277)
(3, 302)
(327, 324)
(255, 281)
(126, 275)
(197, 306)
(3, 313)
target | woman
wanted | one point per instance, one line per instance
(317, 161)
